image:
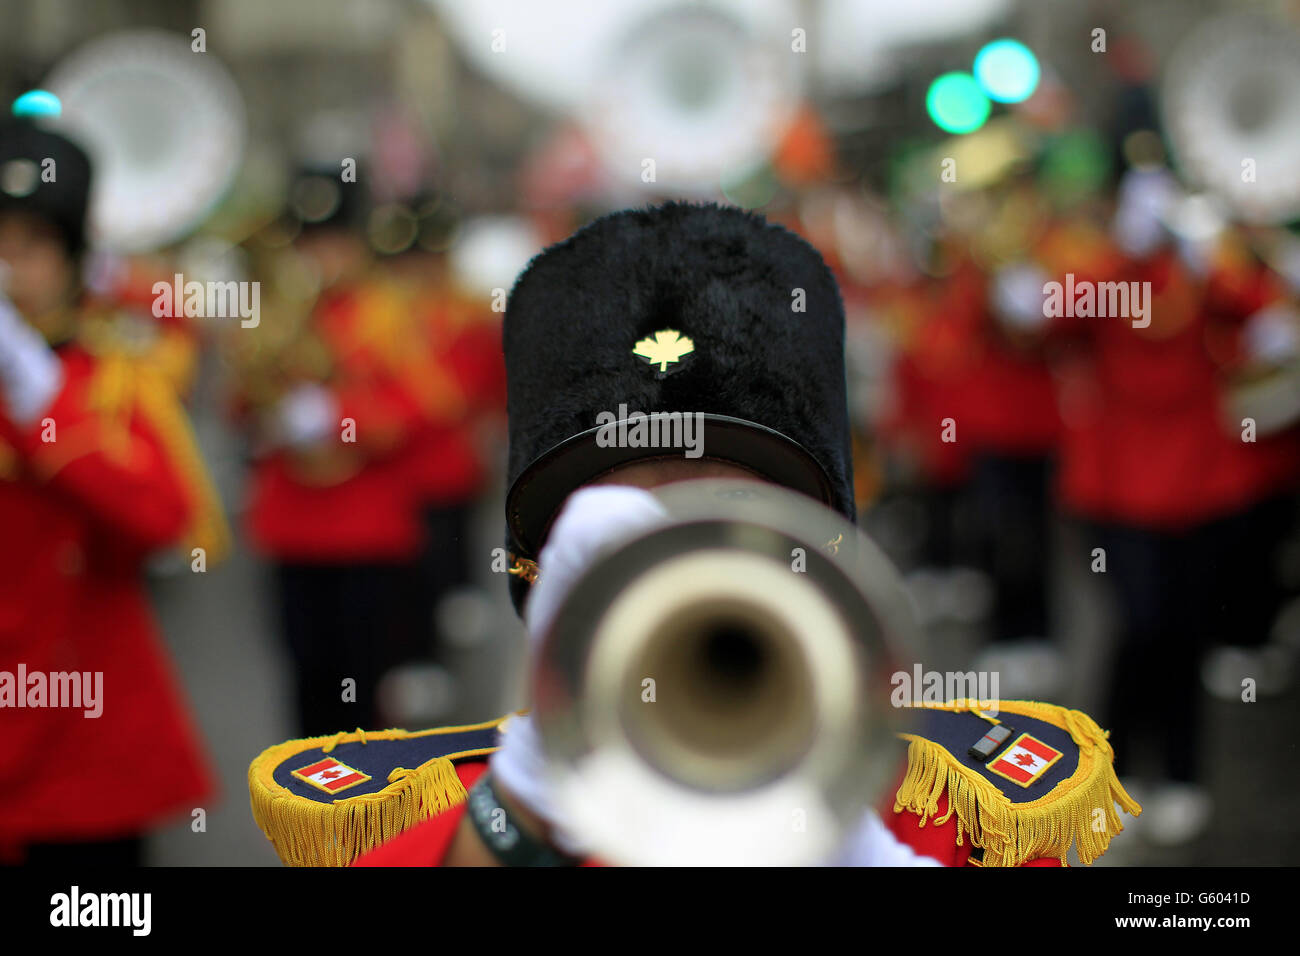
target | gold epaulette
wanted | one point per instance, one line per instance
(125, 384)
(8, 461)
(1046, 786)
(324, 801)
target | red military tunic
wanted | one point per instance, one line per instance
(79, 515)
(930, 373)
(348, 502)
(460, 378)
(1006, 402)
(1147, 441)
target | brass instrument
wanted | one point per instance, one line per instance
(704, 91)
(716, 691)
(1228, 101)
(285, 350)
(165, 126)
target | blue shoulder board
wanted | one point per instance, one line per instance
(324, 801)
(1026, 783)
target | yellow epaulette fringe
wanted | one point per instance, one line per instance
(123, 384)
(1079, 811)
(312, 833)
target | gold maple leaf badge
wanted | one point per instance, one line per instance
(668, 345)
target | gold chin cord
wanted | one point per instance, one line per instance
(523, 568)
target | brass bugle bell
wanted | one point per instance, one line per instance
(716, 690)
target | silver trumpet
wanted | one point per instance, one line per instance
(716, 691)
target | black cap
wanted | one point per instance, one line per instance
(47, 175)
(764, 364)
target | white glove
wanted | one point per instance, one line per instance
(1016, 296)
(1146, 197)
(1288, 263)
(306, 416)
(593, 519)
(1272, 335)
(31, 375)
(871, 843)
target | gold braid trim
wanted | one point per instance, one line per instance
(391, 326)
(8, 461)
(122, 385)
(313, 833)
(523, 568)
(1079, 811)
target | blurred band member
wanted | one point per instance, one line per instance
(333, 503)
(456, 374)
(1153, 462)
(97, 470)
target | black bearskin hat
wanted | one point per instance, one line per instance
(679, 308)
(47, 175)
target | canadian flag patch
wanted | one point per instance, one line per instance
(1025, 760)
(330, 775)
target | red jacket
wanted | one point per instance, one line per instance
(927, 378)
(1147, 440)
(348, 501)
(1006, 403)
(79, 515)
(463, 378)
(956, 362)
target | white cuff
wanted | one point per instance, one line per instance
(1017, 296)
(31, 375)
(1145, 199)
(1272, 334)
(593, 520)
(520, 767)
(306, 416)
(871, 843)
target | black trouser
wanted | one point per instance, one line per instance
(444, 566)
(1011, 505)
(1249, 590)
(945, 543)
(341, 622)
(1167, 589)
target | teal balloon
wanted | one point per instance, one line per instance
(956, 103)
(37, 103)
(1007, 71)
